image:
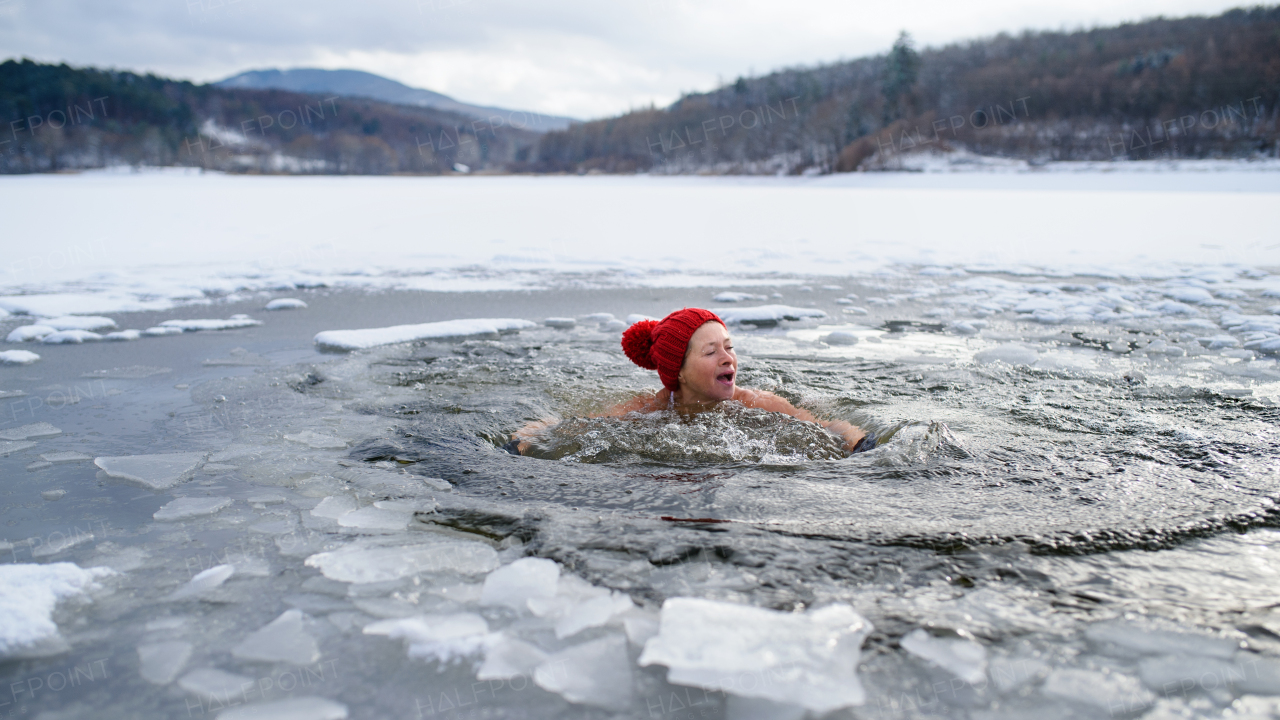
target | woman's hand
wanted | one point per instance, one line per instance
(525, 434)
(852, 434)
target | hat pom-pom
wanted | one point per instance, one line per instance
(637, 341)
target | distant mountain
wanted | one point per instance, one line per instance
(356, 83)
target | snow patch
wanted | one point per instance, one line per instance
(28, 596)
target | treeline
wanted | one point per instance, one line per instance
(61, 118)
(1189, 88)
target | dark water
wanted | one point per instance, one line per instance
(1049, 515)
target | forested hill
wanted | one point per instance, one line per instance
(1191, 87)
(58, 118)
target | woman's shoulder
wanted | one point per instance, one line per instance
(766, 400)
(643, 402)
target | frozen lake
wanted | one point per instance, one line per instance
(1071, 515)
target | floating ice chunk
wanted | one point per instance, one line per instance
(640, 625)
(123, 336)
(1172, 307)
(159, 663)
(334, 507)
(613, 326)
(965, 659)
(841, 337)
(1218, 342)
(1010, 673)
(600, 317)
(1194, 295)
(808, 658)
(562, 323)
(93, 323)
(634, 318)
(348, 340)
(204, 581)
(9, 448)
(70, 337)
(53, 495)
(368, 562)
(962, 328)
(515, 584)
(67, 456)
(284, 639)
(17, 358)
(189, 507)
(509, 658)
(236, 321)
(376, 518)
(442, 638)
(1012, 354)
(213, 685)
(305, 708)
(158, 472)
(159, 331)
(736, 297)
(286, 304)
(844, 301)
(34, 431)
(855, 311)
(1101, 690)
(28, 596)
(1038, 303)
(316, 440)
(1132, 640)
(766, 314)
(592, 613)
(27, 333)
(594, 673)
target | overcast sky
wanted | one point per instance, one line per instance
(583, 58)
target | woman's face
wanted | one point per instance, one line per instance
(710, 366)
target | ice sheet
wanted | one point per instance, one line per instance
(158, 472)
(284, 639)
(965, 659)
(159, 663)
(808, 658)
(34, 431)
(190, 507)
(236, 321)
(766, 314)
(594, 673)
(348, 340)
(368, 561)
(516, 584)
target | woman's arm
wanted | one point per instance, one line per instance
(764, 400)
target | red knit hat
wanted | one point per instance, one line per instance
(661, 344)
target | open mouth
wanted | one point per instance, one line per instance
(725, 377)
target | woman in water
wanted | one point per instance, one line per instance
(693, 354)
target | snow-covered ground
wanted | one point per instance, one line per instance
(104, 242)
